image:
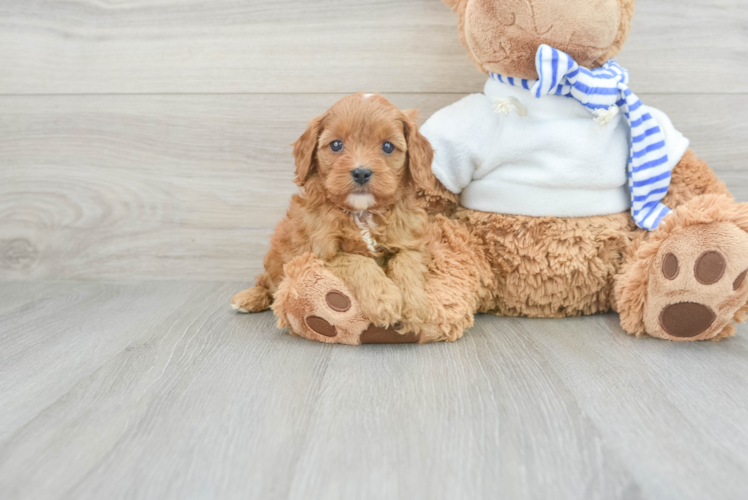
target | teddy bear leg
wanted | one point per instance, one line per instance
(314, 303)
(687, 279)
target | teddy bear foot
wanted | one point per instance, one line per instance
(315, 304)
(699, 283)
(696, 284)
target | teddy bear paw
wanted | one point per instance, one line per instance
(317, 305)
(698, 285)
(332, 321)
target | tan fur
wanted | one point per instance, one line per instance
(554, 267)
(551, 267)
(708, 221)
(564, 266)
(405, 278)
(557, 267)
(628, 7)
(692, 177)
(508, 265)
(502, 36)
(458, 282)
(319, 219)
(379, 296)
(302, 293)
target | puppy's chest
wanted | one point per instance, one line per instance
(366, 237)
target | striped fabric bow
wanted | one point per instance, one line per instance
(603, 92)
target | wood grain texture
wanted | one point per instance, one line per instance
(191, 187)
(157, 391)
(42, 357)
(296, 46)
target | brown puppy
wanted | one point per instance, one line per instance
(358, 165)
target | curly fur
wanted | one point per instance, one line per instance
(558, 267)
(465, 261)
(554, 267)
(458, 282)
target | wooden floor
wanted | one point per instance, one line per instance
(156, 391)
(144, 161)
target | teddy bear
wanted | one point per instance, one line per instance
(602, 208)
(581, 198)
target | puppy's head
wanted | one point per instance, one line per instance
(365, 153)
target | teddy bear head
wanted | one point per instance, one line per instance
(503, 36)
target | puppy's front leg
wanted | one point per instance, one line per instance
(408, 271)
(378, 297)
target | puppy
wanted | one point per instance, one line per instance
(358, 166)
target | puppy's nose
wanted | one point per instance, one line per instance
(361, 175)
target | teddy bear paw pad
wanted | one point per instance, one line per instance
(324, 311)
(338, 302)
(321, 326)
(686, 319)
(380, 335)
(699, 283)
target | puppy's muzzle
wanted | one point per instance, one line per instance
(361, 176)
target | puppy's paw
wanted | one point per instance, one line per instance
(254, 299)
(382, 303)
(416, 310)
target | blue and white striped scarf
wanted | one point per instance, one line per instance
(603, 92)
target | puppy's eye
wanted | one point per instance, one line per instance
(336, 145)
(388, 148)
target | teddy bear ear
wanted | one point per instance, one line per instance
(454, 4)
(627, 14)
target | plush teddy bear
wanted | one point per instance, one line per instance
(582, 198)
(585, 199)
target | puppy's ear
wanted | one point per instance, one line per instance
(420, 153)
(305, 151)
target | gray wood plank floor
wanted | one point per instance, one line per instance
(157, 391)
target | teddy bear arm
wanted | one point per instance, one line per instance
(692, 177)
(461, 135)
(437, 199)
